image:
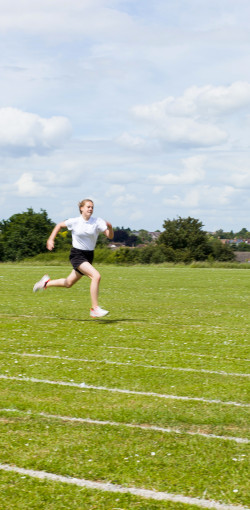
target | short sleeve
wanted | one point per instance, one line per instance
(69, 223)
(101, 224)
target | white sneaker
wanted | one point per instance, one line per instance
(98, 312)
(42, 283)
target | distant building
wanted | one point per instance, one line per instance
(155, 235)
(235, 241)
(242, 256)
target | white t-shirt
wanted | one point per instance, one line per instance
(85, 233)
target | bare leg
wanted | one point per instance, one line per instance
(94, 275)
(65, 282)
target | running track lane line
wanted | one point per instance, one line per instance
(109, 487)
(185, 353)
(119, 390)
(128, 364)
(169, 430)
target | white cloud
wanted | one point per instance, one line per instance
(115, 190)
(64, 18)
(131, 142)
(120, 177)
(203, 196)
(186, 131)
(26, 132)
(27, 187)
(124, 200)
(198, 101)
(240, 179)
(193, 173)
(210, 100)
(194, 118)
(157, 189)
(136, 215)
(182, 130)
(225, 194)
(191, 199)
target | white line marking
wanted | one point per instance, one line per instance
(119, 390)
(119, 363)
(185, 353)
(109, 487)
(169, 430)
(171, 350)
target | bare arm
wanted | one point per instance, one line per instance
(109, 233)
(50, 243)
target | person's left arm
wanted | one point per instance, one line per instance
(109, 233)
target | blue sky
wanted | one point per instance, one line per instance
(142, 106)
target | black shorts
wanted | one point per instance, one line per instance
(77, 256)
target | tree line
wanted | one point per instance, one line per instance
(25, 234)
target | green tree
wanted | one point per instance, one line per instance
(63, 240)
(145, 236)
(24, 235)
(123, 256)
(220, 251)
(224, 235)
(243, 233)
(185, 235)
(241, 247)
(121, 235)
(132, 240)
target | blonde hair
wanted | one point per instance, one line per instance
(83, 202)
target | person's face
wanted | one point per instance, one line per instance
(87, 210)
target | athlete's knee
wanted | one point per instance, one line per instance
(97, 276)
(68, 283)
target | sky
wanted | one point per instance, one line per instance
(142, 106)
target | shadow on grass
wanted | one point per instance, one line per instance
(102, 320)
(93, 320)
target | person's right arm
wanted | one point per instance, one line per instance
(50, 243)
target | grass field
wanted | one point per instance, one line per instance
(147, 408)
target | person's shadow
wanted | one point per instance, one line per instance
(102, 320)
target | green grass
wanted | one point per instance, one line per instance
(177, 331)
